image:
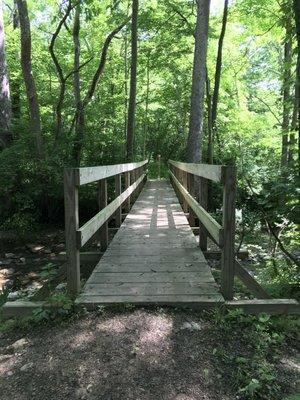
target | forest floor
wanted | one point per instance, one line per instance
(141, 354)
(133, 354)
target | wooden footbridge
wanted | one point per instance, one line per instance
(155, 257)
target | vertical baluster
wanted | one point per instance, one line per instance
(228, 255)
(118, 188)
(102, 202)
(71, 226)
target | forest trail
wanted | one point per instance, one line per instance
(153, 259)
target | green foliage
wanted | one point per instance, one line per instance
(249, 350)
(48, 271)
(58, 309)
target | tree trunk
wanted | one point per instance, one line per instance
(16, 82)
(194, 144)
(294, 127)
(133, 80)
(79, 111)
(297, 91)
(286, 99)
(82, 104)
(215, 97)
(146, 106)
(210, 148)
(32, 97)
(5, 102)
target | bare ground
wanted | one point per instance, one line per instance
(139, 354)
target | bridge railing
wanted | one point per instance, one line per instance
(135, 175)
(183, 177)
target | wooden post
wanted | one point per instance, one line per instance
(159, 166)
(71, 226)
(127, 184)
(191, 190)
(118, 190)
(228, 254)
(185, 185)
(203, 202)
(102, 201)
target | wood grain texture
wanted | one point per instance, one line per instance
(208, 171)
(90, 228)
(71, 224)
(92, 174)
(248, 280)
(102, 199)
(269, 306)
(206, 219)
(228, 251)
(154, 257)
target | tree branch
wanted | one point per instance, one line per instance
(102, 62)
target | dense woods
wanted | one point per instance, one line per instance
(90, 83)
(84, 83)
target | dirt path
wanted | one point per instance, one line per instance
(138, 354)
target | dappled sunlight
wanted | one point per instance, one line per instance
(158, 329)
(112, 325)
(82, 339)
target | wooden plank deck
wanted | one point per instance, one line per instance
(154, 258)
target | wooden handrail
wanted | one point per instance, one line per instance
(207, 171)
(215, 229)
(76, 237)
(183, 179)
(90, 228)
(86, 175)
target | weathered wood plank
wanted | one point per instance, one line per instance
(102, 199)
(150, 288)
(20, 308)
(216, 254)
(90, 228)
(191, 301)
(153, 252)
(118, 190)
(268, 306)
(207, 220)
(127, 184)
(92, 174)
(250, 282)
(150, 277)
(86, 257)
(71, 224)
(212, 172)
(228, 251)
(152, 265)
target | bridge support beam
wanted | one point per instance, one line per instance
(228, 251)
(72, 224)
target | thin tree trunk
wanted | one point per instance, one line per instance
(5, 101)
(294, 127)
(32, 97)
(215, 97)
(59, 71)
(146, 106)
(16, 82)
(79, 111)
(297, 91)
(194, 144)
(125, 86)
(286, 99)
(133, 81)
(210, 148)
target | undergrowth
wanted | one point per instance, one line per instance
(249, 348)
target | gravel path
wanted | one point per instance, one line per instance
(139, 354)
